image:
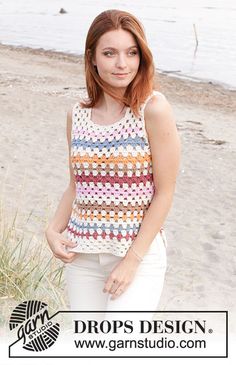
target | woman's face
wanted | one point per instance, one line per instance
(117, 58)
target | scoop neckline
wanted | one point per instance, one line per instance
(107, 126)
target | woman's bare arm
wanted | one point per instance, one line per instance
(166, 149)
(62, 215)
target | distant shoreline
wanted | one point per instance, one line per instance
(177, 89)
(72, 57)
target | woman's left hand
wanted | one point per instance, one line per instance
(121, 276)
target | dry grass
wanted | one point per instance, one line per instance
(27, 268)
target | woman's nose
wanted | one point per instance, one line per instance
(121, 62)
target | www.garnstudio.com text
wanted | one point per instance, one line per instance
(161, 343)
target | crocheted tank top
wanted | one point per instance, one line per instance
(114, 183)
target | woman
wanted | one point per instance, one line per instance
(124, 154)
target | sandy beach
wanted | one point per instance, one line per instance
(37, 89)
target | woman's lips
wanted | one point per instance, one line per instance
(120, 75)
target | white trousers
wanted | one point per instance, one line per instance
(86, 275)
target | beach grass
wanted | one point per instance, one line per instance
(28, 270)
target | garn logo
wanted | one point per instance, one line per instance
(35, 328)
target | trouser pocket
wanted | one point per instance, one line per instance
(163, 236)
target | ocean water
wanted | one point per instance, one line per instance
(169, 27)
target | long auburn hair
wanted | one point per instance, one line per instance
(143, 83)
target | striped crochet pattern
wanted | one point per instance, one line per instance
(114, 182)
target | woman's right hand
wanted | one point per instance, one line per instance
(58, 244)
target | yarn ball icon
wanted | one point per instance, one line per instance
(34, 326)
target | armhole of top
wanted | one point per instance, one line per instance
(142, 109)
(83, 95)
(74, 111)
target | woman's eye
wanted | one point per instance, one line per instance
(107, 53)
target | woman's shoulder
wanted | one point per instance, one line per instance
(155, 103)
(155, 94)
(158, 113)
(76, 106)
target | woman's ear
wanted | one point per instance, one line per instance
(94, 62)
(89, 53)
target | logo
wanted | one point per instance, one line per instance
(34, 326)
